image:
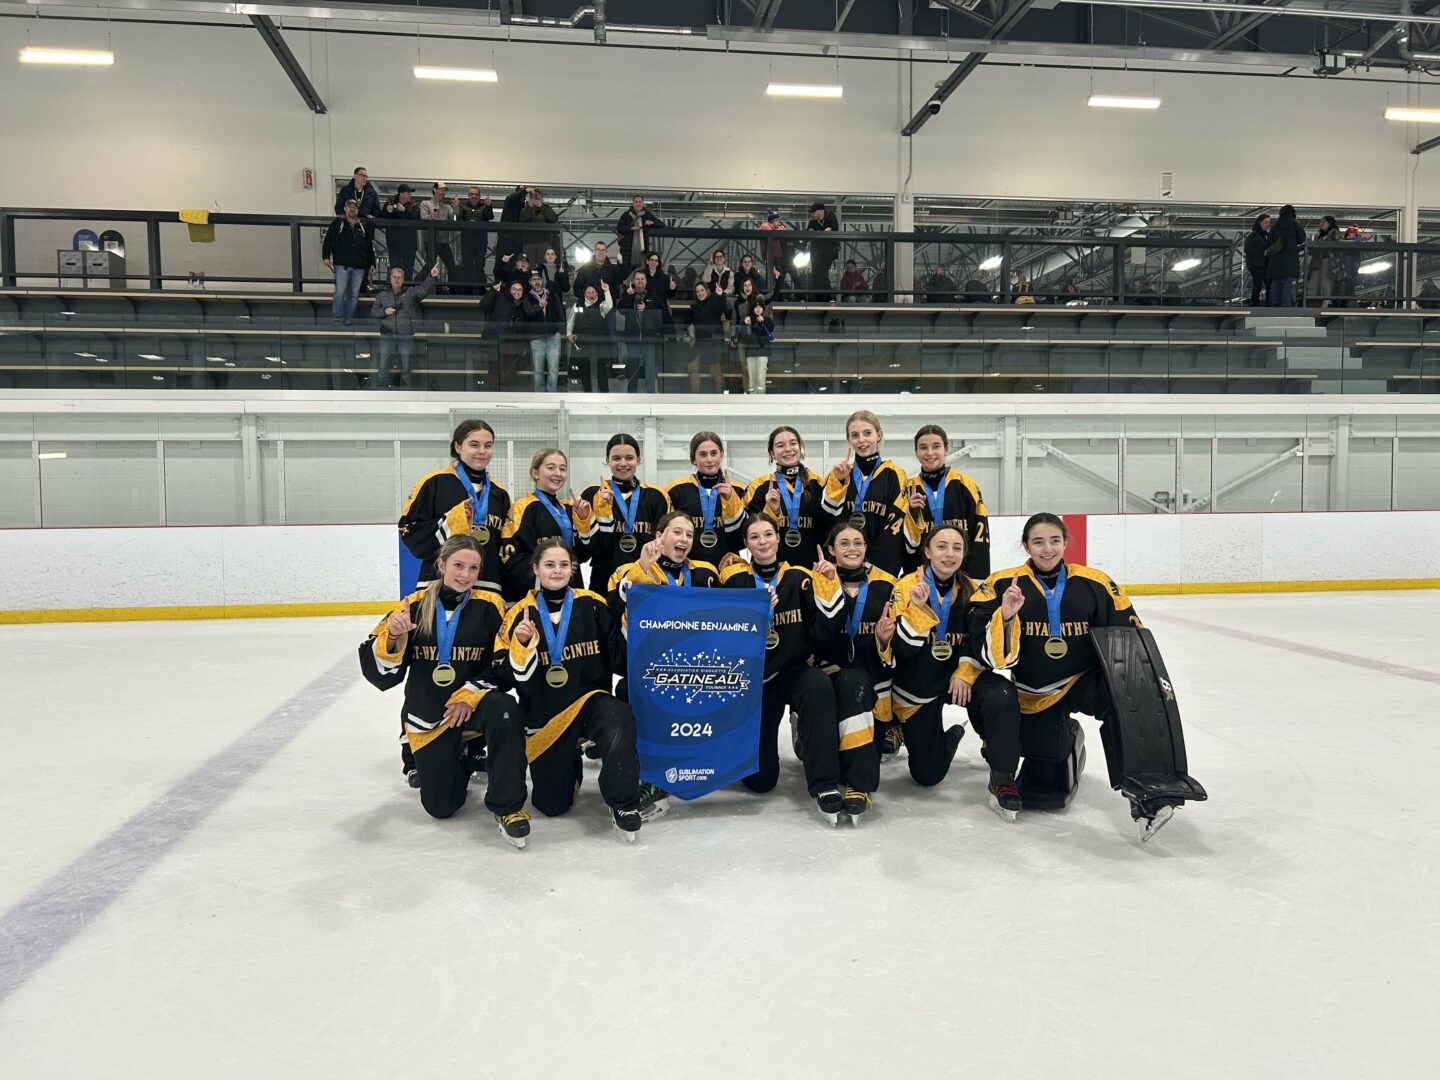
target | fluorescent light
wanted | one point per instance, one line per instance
(992, 263)
(1413, 116)
(1110, 101)
(150, 356)
(273, 359)
(457, 74)
(580, 254)
(58, 454)
(216, 359)
(86, 355)
(801, 260)
(811, 90)
(90, 57)
(1425, 56)
(1185, 264)
(1378, 267)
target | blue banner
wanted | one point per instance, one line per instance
(696, 672)
(409, 570)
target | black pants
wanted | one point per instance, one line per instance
(506, 356)
(811, 698)
(931, 750)
(445, 768)
(591, 361)
(1257, 286)
(446, 256)
(820, 282)
(472, 262)
(1047, 735)
(855, 701)
(995, 715)
(555, 774)
(402, 254)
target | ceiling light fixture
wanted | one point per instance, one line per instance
(992, 263)
(1413, 116)
(81, 57)
(54, 455)
(1376, 267)
(445, 74)
(806, 90)
(1111, 101)
(1185, 264)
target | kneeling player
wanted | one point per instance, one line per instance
(789, 678)
(558, 649)
(439, 642)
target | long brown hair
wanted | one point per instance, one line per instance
(459, 542)
(962, 579)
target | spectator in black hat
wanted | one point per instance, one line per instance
(545, 313)
(347, 251)
(538, 212)
(403, 241)
(474, 242)
(360, 190)
(508, 241)
(823, 253)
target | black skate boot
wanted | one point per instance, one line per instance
(627, 821)
(891, 741)
(412, 777)
(856, 803)
(653, 801)
(514, 827)
(1004, 795)
(1150, 815)
(830, 804)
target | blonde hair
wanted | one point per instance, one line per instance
(866, 415)
(538, 458)
(462, 542)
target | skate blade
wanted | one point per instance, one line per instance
(655, 810)
(855, 819)
(1149, 828)
(833, 819)
(1008, 815)
(513, 841)
(629, 836)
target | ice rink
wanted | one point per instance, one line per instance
(212, 868)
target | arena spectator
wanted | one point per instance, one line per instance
(515, 268)
(397, 306)
(349, 252)
(545, 313)
(661, 283)
(508, 241)
(556, 274)
(748, 270)
(852, 283)
(474, 243)
(719, 277)
(592, 342)
(641, 326)
(507, 333)
(1325, 270)
(705, 329)
(1285, 253)
(774, 249)
(403, 242)
(636, 227)
(823, 253)
(1255, 261)
(599, 270)
(438, 208)
(360, 190)
(939, 287)
(538, 212)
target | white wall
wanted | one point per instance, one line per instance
(243, 566)
(200, 116)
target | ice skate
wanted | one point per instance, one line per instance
(514, 827)
(412, 777)
(1004, 795)
(830, 804)
(591, 750)
(856, 803)
(653, 801)
(627, 822)
(1150, 818)
(890, 744)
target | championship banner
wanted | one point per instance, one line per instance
(696, 669)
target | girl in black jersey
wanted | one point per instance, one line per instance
(868, 491)
(709, 498)
(789, 680)
(439, 641)
(940, 495)
(545, 513)
(790, 495)
(626, 511)
(558, 650)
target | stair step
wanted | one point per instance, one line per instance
(1280, 322)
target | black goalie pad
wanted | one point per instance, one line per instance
(1148, 735)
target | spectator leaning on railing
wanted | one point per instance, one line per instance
(360, 190)
(474, 242)
(349, 252)
(538, 212)
(823, 253)
(1256, 263)
(635, 230)
(397, 306)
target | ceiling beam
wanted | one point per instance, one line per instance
(951, 5)
(1006, 22)
(844, 14)
(270, 34)
(1244, 26)
(1428, 144)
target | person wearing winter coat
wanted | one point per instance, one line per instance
(592, 342)
(705, 329)
(635, 231)
(359, 189)
(403, 243)
(1255, 261)
(1325, 270)
(1285, 252)
(507, 334)
(641, 323)
(474, 243)
(348, 251)
(545, 313)
(508, 241)
(823, 253)
(443, 209)
(538, 212)
(398, 309)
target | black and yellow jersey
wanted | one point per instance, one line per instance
(703, 575)
(962, 508)
(529, 522)
(1090, 599)
(975, 632)
(589, 659)
(606, 554)
(413, 658)
(835, 604)
(438, 508)
(884, 509)
(792, 618)
(814, 524)
(684, 494)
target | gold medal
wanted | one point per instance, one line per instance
(1056, 648)
(772, 639)
(851, 649)
(709, 538)
(627, 543)
(481, 533)
(857, 520)
(941, 649)
(792, 537)
(556, 676)
(443, 675)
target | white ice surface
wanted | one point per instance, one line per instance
(319, 925)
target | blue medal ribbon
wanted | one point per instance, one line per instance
(935, 500)
(479, 501)
(683, 579)
(555, 636)
(774, 584)
(852, 624)
(790, 498)
(445, 627)
(707, 505)
(629, 507)
(560, 514)
(941, 608)
(1052, 599)
(862, 485)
